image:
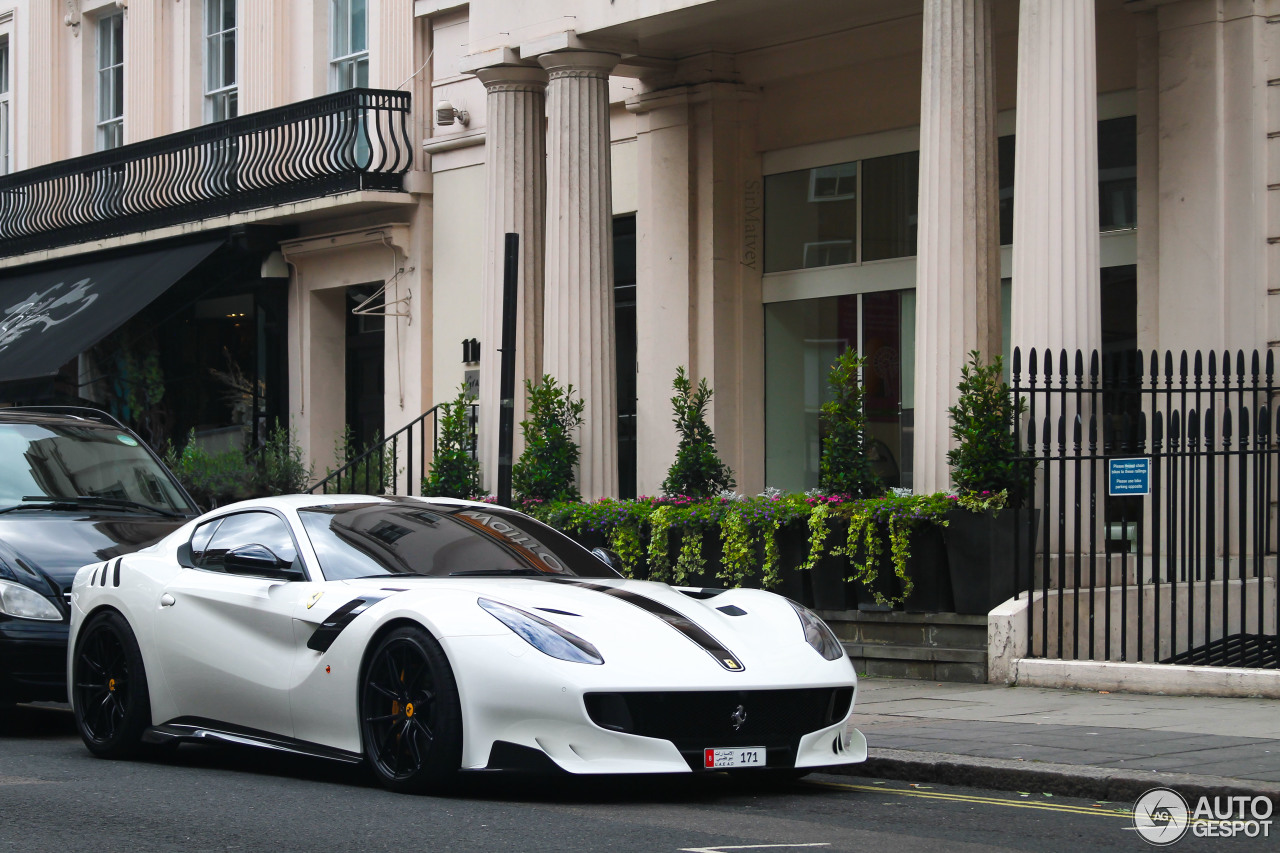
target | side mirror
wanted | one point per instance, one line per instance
(259, 560)
(184, 556)
(609, 558)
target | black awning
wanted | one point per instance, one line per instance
(48, 318)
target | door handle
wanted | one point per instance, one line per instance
(167, 600)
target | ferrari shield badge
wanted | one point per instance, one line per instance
(311, 602)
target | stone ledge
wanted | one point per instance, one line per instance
(1147, 678)
(923, 653)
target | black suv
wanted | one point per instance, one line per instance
(76, 487)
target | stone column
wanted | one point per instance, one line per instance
(516, 180)
(1056, 299)
(578, 312)
(958, 254)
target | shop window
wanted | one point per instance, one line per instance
(1118, 173)
(802, 339)
(811, 218)
(890, 201)
(110, 125)
(221, 94)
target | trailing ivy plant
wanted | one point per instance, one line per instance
(546, 469)
(845, 468)
(455, 471)
(985, 456)
(698, 470)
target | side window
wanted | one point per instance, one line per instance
(246, 528)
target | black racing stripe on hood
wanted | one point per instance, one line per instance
(338, 620)
(674, 618)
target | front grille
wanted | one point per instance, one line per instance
(697, 720)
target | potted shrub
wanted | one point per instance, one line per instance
(455, 471)
(991, 482)
(697, 471)
(546, 470)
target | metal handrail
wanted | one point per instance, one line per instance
(345, 141)
(369, 473)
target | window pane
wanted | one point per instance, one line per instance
(249, 528)
(1118, 173)
(1004, 156)
(340, 34)
(362, 72)
(811, 218)
(228, 14)
(213, 57)
(359, 26)
(890, 196)
(228, 59)
(4, 68)
(117, 39)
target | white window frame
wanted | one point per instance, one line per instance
(6, 146)
(108, 129)
(347, 55)
(221, 100)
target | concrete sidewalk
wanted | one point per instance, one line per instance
(1109, 746)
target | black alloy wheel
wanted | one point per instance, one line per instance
(112, 705)
(410, 717)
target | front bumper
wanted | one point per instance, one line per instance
(33, 660)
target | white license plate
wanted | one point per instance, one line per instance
(748, 756)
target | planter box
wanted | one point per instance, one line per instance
(930, 573)
(980, 555)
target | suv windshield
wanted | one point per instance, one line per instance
(376, 539)
(103, 467)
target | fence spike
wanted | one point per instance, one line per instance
(1197, 366)
(1142, 431)
(1226, 428)
(1077, 432)
(1093, 367)
(1079, 368)
(1157, 430)
(1212, 372)
(1062, 433)
(1175, 426)
(1271, 356)
(1182, 367)
(1244, 425)
(1155, 367)
(1240, 374)
(1254, 366)
(1093, 429)
(1126, 430)
(1031, 364)
(1016, 362)
(1193, 426)
(1062, 366)
(1168, 368)
(1048, 434)
(1264, 423)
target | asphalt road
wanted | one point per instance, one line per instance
(55, 796)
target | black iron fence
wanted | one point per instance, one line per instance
(1150, 532)
(397, 464)
(345, 141)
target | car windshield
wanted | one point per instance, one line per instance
(377, 539)
(43, 463)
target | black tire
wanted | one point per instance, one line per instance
(112, 704)
(410, 717)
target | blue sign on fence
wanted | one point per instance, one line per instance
(1129, 476)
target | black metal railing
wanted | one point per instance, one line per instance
(346, 141)
(1150, 532)
(396, 465)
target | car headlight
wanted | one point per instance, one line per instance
(817, 634)
(25, 603)
(542, 635)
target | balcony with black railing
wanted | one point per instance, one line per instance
(338, 143)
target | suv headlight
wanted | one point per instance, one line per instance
(25, 603)
(542, 635)
(817, 634)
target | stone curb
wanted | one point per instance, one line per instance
(1068, 780)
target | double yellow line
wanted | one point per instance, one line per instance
(981, 801)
